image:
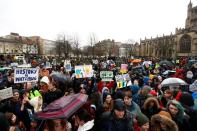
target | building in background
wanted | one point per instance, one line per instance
(182, 43)
(49, 48)
(14, 44)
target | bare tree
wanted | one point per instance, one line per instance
(130, 50)
(92, 42)
(86, 51)
(63, 45)
(76, 44)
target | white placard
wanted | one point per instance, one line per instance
(6, 93)
(22, 75)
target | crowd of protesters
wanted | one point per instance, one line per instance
(144, 105)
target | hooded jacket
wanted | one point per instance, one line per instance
(151, 111)
(181, 118)
(165, 120)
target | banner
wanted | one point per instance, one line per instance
(22, 75)
(83, 71)
(106, 75)
(6, 93)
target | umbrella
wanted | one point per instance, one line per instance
(147, 62)
(173, 82)
(165, 62)
(193, 86)
(168, 72)
(60, 77)
(63, 107)
(136, 60)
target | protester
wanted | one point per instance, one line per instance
(163, 122)
(142, 123)
(131, 105)
(57, 125)
(84, 122)
(177, 113)
(109, 106)
(119, 119)
(151, 106)
(108, 103)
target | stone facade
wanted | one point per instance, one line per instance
(14, 44)
(182, 43)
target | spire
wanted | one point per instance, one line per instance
(190, 4)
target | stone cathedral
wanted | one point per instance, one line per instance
(182, 43)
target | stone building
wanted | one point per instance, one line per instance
(14, 44)
(182, 43)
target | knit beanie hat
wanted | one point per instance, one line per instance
(15, 90)
(135, 89)
(186, 99)
(119, 105)
(142, 119)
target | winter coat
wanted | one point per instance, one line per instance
(149, 112)
(134, 108)
(111, 123)
(181, 119)
(169, 123)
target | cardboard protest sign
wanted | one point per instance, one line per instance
(22, 75)
(119, 78)
(68, 67)
(83, 71)
(106, 75)
(14, 64)
(126, 77)
(124, 68)
(121, 84)
(66, 62)
(6, 93)
(48, 65)
(95, 62)
(123, 80)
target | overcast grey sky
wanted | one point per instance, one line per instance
(114, 19)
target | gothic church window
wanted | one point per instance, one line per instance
(185, 44)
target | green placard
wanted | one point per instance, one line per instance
(106, 75)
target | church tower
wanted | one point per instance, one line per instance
(191, 21)
(189, 15)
